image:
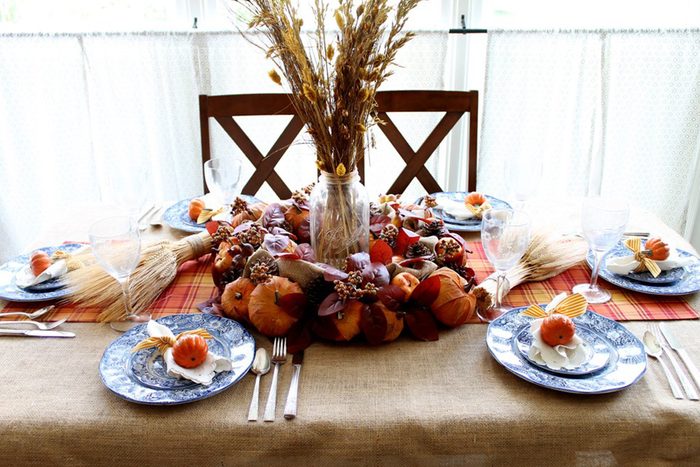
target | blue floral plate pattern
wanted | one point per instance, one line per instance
(177, 216)
(457, 225)
(49, 290)
(141, 376)
(687, 283)
(625, 366)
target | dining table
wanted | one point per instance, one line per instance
(447, 402)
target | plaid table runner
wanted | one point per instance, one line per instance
(193, 286)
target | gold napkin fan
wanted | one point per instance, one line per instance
(645, 262)
(478, 209)
(207, 214)
(572, 306)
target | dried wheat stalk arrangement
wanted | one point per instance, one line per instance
(547, 255)
(91, 285)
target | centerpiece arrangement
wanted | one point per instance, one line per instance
(333, 83)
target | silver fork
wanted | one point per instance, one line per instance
(279, 356)
(37, 324)
(685, 382)
(32, 315)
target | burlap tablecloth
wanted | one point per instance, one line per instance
(408, 403)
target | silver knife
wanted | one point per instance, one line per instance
(675, 345)
(290, 408)
(35, 333)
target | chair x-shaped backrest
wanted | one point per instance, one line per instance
(454, 103)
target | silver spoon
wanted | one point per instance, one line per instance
(261, 365)
(653, 349)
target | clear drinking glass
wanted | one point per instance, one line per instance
(603, 222)
(505, 235)
(523, 178)
(116, 244)
(223, 177)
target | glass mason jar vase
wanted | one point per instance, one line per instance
(339, 215)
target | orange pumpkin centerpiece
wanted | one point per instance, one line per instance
(236, 297)
(195, 208)
(265, 308)
(190, 351)
(40, 261)
(657, 249)
(557, 329)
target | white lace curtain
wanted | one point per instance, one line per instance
(113, 119)
(609, 112)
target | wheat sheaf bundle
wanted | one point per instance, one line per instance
(547, 255)
(92, 286)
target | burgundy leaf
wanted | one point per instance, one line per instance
(332, 274)
(325, 328)
(405, 239)
(273, 216)
(380, 252)
(299, 337)
(302, 206)
(377, 274)
(294, 304)
(304, 231)
(281, 231)
(243, 227)
(330, 305)
(276, 244)
(305, 252)
(419, 259)
(391, 296)
(378, 222)
(357, 262)
(373, 324)
(290, 256)
(422, 325)
(427, 291)
(212, 227)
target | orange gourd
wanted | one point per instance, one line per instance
(40, 261)
(453, 305)
(295, 216)
(236, 297)
(657, 249)
(475, 199)
(190, 351)
(557, 329)
(195, 208)
(341, 329)
(264, 308)
(406, 282)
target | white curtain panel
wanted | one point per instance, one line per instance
(114, 119)
(615, 113)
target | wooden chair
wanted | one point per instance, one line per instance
(225, 108)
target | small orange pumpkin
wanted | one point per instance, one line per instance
(557, 329)
(475, 199)
(264, 310)
(295, 216)
(341, 329)
(40, 261)
(195, 208)
(252, 214)
(190, 351)
(657, 249)
(394, 324)
(236, 297)
(406, 282)
(453, 306)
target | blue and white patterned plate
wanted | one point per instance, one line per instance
(665, 278)
(468, 225)
(51, 290)
(177, 216)
(598, 350)
(688, 283)
(141, 377)
(626, 365)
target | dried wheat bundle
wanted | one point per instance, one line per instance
(547, 255)
(92, 286)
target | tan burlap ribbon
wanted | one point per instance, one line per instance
(643, 256)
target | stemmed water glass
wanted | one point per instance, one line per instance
(603, 222)
(116, 244)
(223, 178)
(523, 177)
(505, 235)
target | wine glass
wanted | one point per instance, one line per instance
(116, 244)
(523, 178)
(603, 223)
(223, 178)
(505, 235)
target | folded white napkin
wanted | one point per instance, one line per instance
(202, 374)
(455, 209)
(26, 278)
(567, 356)
(623, 265)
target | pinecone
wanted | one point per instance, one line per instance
(270, 263)
(317, 290)
(466, 273)
(433, 228)
(253, 235)
(239, 205)
(430, 201)
(223, 233)
(259, 273)
(389, 234)
(417, 250)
